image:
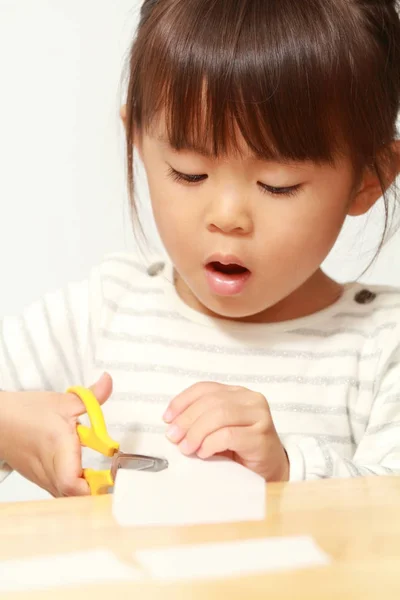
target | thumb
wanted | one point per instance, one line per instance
(103, 387)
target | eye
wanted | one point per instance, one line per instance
(280, 191)
(183, 177)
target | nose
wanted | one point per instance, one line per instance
(230, 215)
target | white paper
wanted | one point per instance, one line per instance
(60, 570)
(191, 491)
(231, 559)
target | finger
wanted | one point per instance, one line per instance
(67, 469)
(102, 389)
(221, 415)
(218, 406)
(183, 422)
(240, 440)
(187, 397)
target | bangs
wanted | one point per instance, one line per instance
(287, 77)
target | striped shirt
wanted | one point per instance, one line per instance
(332, 379)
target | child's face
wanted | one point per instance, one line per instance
(228, 217)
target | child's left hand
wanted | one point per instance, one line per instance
(211, 418)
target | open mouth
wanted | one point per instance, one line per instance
(227, 279)
(231, 269)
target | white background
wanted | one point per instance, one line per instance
(62, 189)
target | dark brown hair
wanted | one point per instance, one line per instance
(299, 79)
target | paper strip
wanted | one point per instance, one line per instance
(231, 559)
(60, 570)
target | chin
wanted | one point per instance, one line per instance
(234, 308)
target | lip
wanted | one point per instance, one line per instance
(226, 284)
(225, 259)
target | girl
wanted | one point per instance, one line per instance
(261, 124)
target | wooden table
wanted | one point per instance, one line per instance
(357, 522)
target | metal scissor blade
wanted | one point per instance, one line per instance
(138, 462)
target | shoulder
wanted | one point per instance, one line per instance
(372, 305)
(366, 316)
(384, 318)
(121, 273)
(374, 312)
(125, 265)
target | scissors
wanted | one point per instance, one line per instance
(96, 437)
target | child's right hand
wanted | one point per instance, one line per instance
(38, 437)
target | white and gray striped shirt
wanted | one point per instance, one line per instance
(332, 379)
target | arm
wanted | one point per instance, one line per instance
(45, 348)
(378, 452)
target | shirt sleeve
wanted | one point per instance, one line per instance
(46, 347)
(378, 452)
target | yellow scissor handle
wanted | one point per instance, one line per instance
(99, 482)
(95, 437)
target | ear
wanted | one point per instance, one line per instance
(122, 114)
(137, 139)
(370, 189)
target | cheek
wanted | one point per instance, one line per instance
(306, 232)
(160, 198)
(173, 216)
(322, 228)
